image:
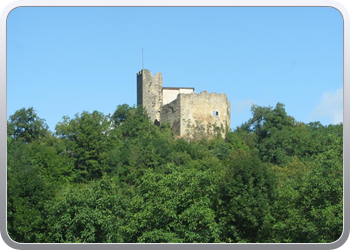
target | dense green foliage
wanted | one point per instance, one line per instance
(120, 178)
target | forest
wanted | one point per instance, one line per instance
(121, 179)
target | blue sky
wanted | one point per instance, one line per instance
(63, 61)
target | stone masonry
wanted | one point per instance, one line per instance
(189, 115)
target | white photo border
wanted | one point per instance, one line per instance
(173, 3)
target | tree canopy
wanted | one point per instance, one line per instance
(121, 178)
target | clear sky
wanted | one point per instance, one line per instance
(63, 61)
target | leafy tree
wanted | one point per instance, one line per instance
(322, 194)
(88, 138)
(27, 194)
(266, 119)
(120, 114)
(174, 207)
(87, 214)
(310, 197)
(220, 148)
(272, 127)
(137, 124)
(25, 125)
(144, 145)
(241, 139)
(51, 160)
(246, 192)
(10, 129)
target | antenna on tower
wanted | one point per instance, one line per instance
(142, 57)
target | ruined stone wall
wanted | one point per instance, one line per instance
(197, 118)
(149, 93)
(171, 114)
(189, 115)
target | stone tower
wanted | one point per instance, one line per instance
(149, 93)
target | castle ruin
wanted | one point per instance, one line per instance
(189, 115)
